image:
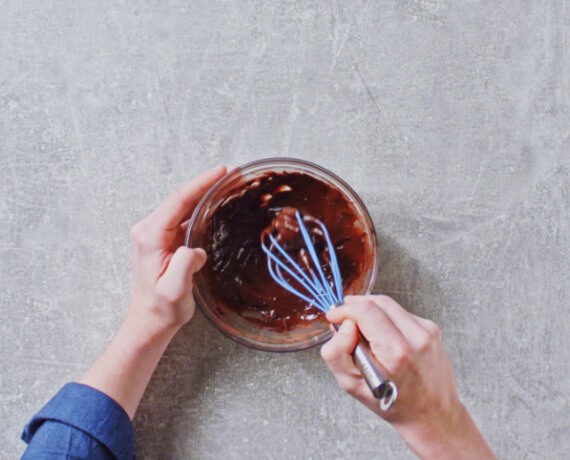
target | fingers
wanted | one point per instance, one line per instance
(176, 282)
(337, 351)
(177, 207)
(337, 354)
(185, 262)
(408, 324)
(387, 343)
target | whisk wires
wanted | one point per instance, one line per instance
(317, 290)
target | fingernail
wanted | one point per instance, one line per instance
(346, 327)
(202, 256)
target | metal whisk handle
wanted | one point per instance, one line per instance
(383, 389)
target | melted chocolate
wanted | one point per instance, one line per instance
(236, 269)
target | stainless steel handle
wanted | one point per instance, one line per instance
(383, 389)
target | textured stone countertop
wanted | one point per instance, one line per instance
(450, 119)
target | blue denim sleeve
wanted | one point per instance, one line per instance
(80, 422)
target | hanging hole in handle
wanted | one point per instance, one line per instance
(388, 395)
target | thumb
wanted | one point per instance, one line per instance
(183, 264)
(337, 352)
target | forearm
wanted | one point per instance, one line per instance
(124, 369)
(462, 439)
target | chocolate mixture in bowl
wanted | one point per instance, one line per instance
(236, 269)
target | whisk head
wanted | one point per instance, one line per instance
(307, 272)
(313, 286)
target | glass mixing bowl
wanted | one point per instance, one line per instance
(231, 322)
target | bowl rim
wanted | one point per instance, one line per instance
(286, 161)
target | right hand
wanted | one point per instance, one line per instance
(428, 413)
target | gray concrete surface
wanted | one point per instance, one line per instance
(451, 119)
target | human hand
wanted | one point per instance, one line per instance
(162, 265)
(162, 296)
(428, 413)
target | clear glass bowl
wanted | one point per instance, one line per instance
(230, 322)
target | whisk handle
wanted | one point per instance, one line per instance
(383, 389)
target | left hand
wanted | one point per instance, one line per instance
(163, 266)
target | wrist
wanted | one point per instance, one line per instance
(152, 316)
(157, 314)
(144, 330)
(124, 369)
(451, 436)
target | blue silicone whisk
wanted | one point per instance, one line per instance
(314, 288)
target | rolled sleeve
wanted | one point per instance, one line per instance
(103, 425)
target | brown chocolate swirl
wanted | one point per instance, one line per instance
(236, 269)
